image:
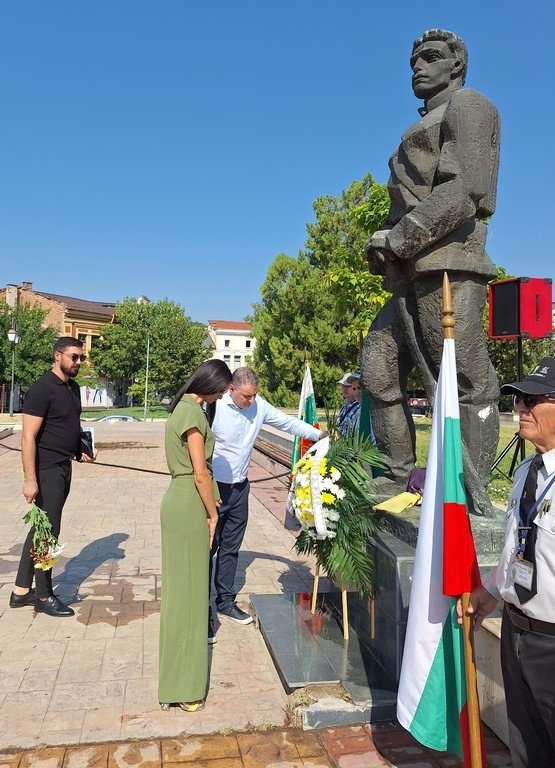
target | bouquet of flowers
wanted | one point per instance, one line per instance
(46, 550)
(331, 497)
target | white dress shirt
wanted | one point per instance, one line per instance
(500, 582)
(236, 430)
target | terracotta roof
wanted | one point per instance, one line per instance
(81, 305)
(229, 325)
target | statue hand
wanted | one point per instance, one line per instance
(377, 252)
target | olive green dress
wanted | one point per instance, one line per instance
(183, 653)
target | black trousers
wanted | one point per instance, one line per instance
(233, 515)
(54, 484)
(528, 664)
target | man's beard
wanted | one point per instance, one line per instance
(69, 371)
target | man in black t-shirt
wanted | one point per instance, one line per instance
(50, 439)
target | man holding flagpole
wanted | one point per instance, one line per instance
(240, 415)
(525, 578)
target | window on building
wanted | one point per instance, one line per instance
(248, 343)
(226, 342)
(227, 359)
(236, 361)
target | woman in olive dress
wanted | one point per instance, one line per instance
(188, 517)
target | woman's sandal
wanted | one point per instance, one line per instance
(192, 706)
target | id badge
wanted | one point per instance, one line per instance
(522, 573)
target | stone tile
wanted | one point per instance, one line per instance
(145, 754)
(261, 749)
(308, 744)
(373, 760)
(349, 741)
(94, 756)
(10, 760)
(103, 724)
(52, 757)
(195, 748)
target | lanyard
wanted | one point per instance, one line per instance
(525, 526)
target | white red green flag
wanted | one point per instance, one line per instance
(307, 412)
(432, 697)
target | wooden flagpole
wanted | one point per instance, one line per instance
(473, 705)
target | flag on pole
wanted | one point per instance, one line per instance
(432, 697)
(307, 412)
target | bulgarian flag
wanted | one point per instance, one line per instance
(307, 412)
(432, 697)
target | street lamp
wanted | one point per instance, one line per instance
(144, 300)
(146, 374)
(13, 337)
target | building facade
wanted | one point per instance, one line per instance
(231, 341)
(70, 317)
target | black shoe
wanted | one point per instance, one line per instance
(211, 634)
(53, 607)
(16, 601)
(235, 613)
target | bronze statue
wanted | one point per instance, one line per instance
(442, 186)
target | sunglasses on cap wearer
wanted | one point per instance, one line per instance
(531, 400)
(75, 357)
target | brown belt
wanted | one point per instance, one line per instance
(526, 623)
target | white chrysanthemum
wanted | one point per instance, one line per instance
(335, 475)
(340, 493)
(56, 550)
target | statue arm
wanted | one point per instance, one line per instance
(466, 176)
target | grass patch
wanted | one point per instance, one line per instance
(499, 485)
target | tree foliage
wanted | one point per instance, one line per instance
(318, 303)
(175, 347)
(33, 353)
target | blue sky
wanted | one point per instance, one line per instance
(174, 149)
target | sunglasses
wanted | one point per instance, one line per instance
(530, 400)
(75, 357)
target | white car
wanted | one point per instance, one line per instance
(117, 417)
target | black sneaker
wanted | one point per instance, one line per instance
(16, 601)
(235, 613)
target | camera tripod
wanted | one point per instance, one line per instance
(518, 443)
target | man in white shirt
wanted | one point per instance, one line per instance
(525, 578)
(239, 417)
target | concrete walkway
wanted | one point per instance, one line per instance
(82, 691)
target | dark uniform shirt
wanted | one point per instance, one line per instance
(58, 403)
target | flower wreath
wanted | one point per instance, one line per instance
(315, 491)
(331, 497)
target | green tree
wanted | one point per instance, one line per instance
(355, 289)
(33, 353)
(174, 341)
(320, 302)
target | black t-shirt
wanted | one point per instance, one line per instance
(59, 404)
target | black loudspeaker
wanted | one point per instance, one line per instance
(520, 308)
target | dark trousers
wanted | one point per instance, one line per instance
(528, 661)
(54, 484)
(233, 515)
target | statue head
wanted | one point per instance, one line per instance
(439, 61)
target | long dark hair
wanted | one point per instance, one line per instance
(210, 377)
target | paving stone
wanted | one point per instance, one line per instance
(194, 748)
